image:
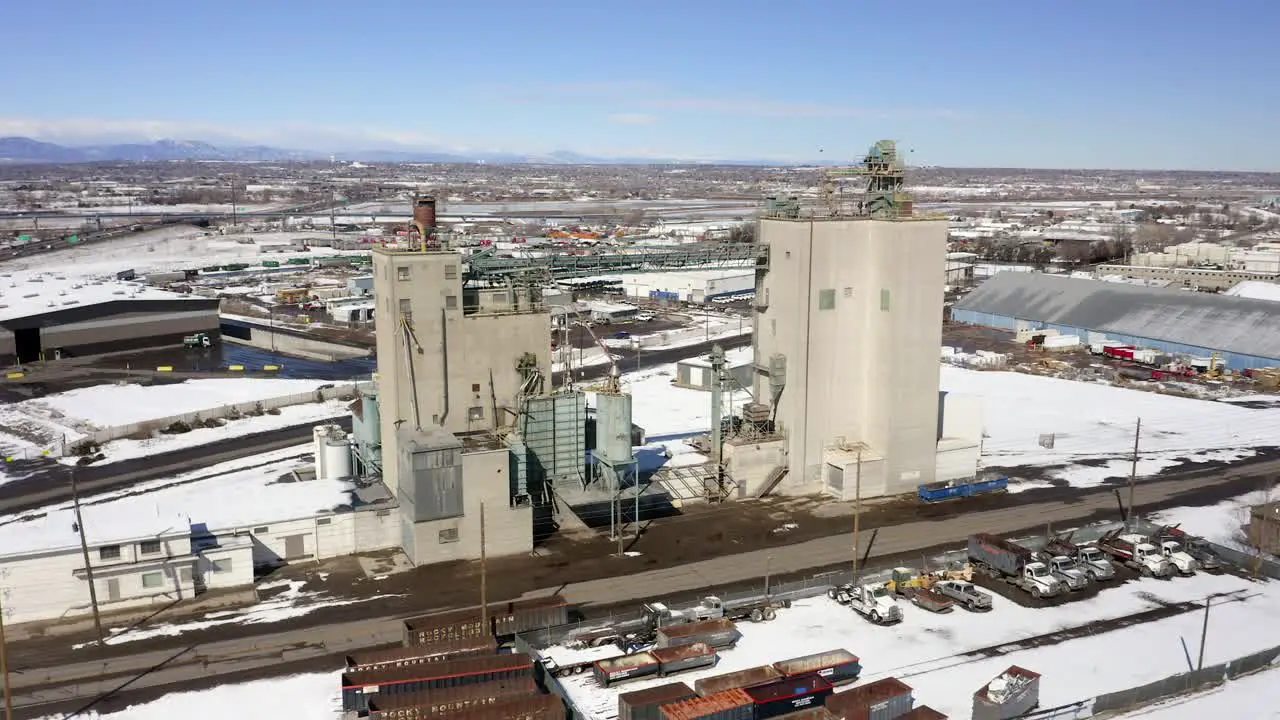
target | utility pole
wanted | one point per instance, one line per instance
(84, 549)
(1133, 473)
(233, 202)
(768, 566)
(1204, 631)
(333, 227)
(857, 512)
(4, 664)
(484, 577)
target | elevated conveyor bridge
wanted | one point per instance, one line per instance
(488, 266)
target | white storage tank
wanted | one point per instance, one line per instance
(332, 450)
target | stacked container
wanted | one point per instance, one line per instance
(447, 700)
(788, 695)
(835, 666)
(420, 654)
(750, 677)
(646, 704)
(358, 687)
(503, 619)
(885, 699)
(727, 705)
(719, 634)
(539, 707)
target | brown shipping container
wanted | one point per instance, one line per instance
(717, 633)
(453, 699)
(735, 680)
(420, 654)
(817, 713)
(540, 707)
(358, 688)
(728, 705)
(504, 619)
(857, 702)
(836, 666)
(924, 712)
(684, 657)
(645, 704)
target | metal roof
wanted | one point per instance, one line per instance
(1243, 326)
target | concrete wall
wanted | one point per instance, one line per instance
(123, 328)
(116, 432)
(307, 347)
(750, 463)
(508, 531)
(319, 537)
(855, 306)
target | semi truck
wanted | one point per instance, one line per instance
(1088, 558)
(871, 601)
(1134, 552)
(1065, 570)
(1000, 559)
(1196, 547)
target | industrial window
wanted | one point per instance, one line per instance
(222, 566)
(826, 299)
(150, 547)
(475, 387)
(500, 297)
(184, 575)
(450, 302)
(406, 306)
(402, 272)
(475, 413)
(449, 535)
(450, 272)
(884, 300)
(261, 530)
(324, 521)
(152, 580)
(109, 552)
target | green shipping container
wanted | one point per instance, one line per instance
(73, 240)
(271, 263)
(299, 261)
(24, 238)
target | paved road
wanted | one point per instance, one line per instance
(45, 482)
(267, 652)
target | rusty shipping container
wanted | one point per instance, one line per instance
(684, 657)
(359, 687)
(420, 654)
(1009, 695)
(504, 619)
(750, 677)
(816, 713)
(883, 699)
(835, 666)
(924, 712)
(540, 707)
(430, 703)
(788, 695)
(728, 705)
(719, 634)
(628, 667)
(645, 704)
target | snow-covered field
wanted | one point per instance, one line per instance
(31, 427)
(1253, 696)
(1093, 425)
(663, 409)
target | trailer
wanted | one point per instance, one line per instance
(504, 620)
(761, 675)
(1134, 552)
(418, 655)
(952, 490)
(537, 707)
(1000, 559)
(788, 695)
(837, 667)
(442, 701)
(684, 657)
(719, 634)
(358, 687)
(1012, 694)
(628, 667)
(883, 699)
(646, 704)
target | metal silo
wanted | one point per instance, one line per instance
(613, 428)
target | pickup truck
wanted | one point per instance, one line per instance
(964, 593)
(1134, 552)
(1003, 560)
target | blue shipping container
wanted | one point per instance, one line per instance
(937, 492)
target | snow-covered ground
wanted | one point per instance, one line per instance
(314, 696)
(624, 351)
(663, 409)
(290, 603)
(215, 496)
(1221, 523)
(1093, 425)
(1253, 696)
(30, 427)
(935, 654)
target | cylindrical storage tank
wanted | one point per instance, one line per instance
(337, 457)
(613, 427)
(319, 439)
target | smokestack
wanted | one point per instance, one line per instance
(424, 219)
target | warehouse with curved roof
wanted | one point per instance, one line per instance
(1245, 332)
(45, 316)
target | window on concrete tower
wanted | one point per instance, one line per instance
(449, 535)
(152, 580)
(402, 273)
(406, 306)
(884, 300)
(451, 302)
(450, 272)
(475, 413)
(827, 299)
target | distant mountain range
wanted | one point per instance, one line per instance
(25, 150)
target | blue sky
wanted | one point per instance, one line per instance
(1087, 83)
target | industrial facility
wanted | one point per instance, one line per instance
(1240, 331)
(474, 441)
(51, 316)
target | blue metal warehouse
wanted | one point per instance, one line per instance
(1243, 331)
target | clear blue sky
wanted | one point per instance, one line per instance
(1085, 83)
